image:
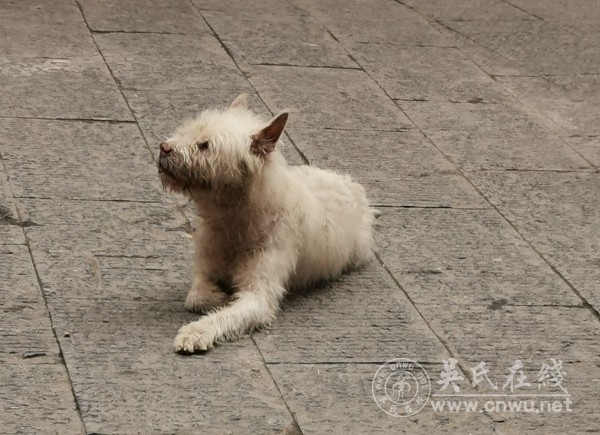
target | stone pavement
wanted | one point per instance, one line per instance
(473, 125)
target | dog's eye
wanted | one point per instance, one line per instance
(202, 145)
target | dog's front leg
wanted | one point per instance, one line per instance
(250, 309)
(204, 295)
(255, 304)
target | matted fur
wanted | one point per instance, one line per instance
(264, 226)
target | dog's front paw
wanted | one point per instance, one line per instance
(192, 338)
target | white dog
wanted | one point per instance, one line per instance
(265, 226)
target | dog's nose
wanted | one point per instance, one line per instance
(165, 149)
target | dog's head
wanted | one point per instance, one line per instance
(219, 148)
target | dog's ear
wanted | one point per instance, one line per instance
(264, 141)
(241, 102)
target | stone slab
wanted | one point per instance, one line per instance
(10, 226)
(587, 146)
(265, 8)
(396, 168)
(427, 73)
(175, 16)
(503, 334)
(488, 60)
(571, 14)
(60, 88)
(285, 40)
(569, 101)
(540, 46)
(53, 30)
(471, 10)
(37, 399)
(492, 136)
(361, 317)
(559, 214)
(106, 227)
(168, 62)
(84, 274)
(72, 159)
(581, 382)
(465, 257)
(345, 391)
(25, 326)
(127, 378)
(327, 98)
(160, 112)
(379, 21)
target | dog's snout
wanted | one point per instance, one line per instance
(165, 149)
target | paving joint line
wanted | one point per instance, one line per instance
(289, 65)
(523, 10)
(45, 299)
(56, 198)
(62, 119)
(287, 406)
(144, 32)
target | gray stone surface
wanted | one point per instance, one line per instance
(26, 329)
(357, 318)
(157, 16)
(342, 389)
(36, 392)
(37, 29)
(569, 101)
(379, 21)
(533, 335)
(542, 47)
(559, 214)
(491, 136)
(471, 10)
(396, 168)
(465, 257)
(327, 98)
(167, 62)
(587, 146)
(427, 73)
(36, 398)
(487, 245)
(488, 60)
(105, 227)
(576, 15)
(134, 369)
(265, 8)
(283, 40)
(581, 381)
(65, 145)
(59, 88)
(506, 333)
(10, 226)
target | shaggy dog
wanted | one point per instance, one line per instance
(264, 226)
